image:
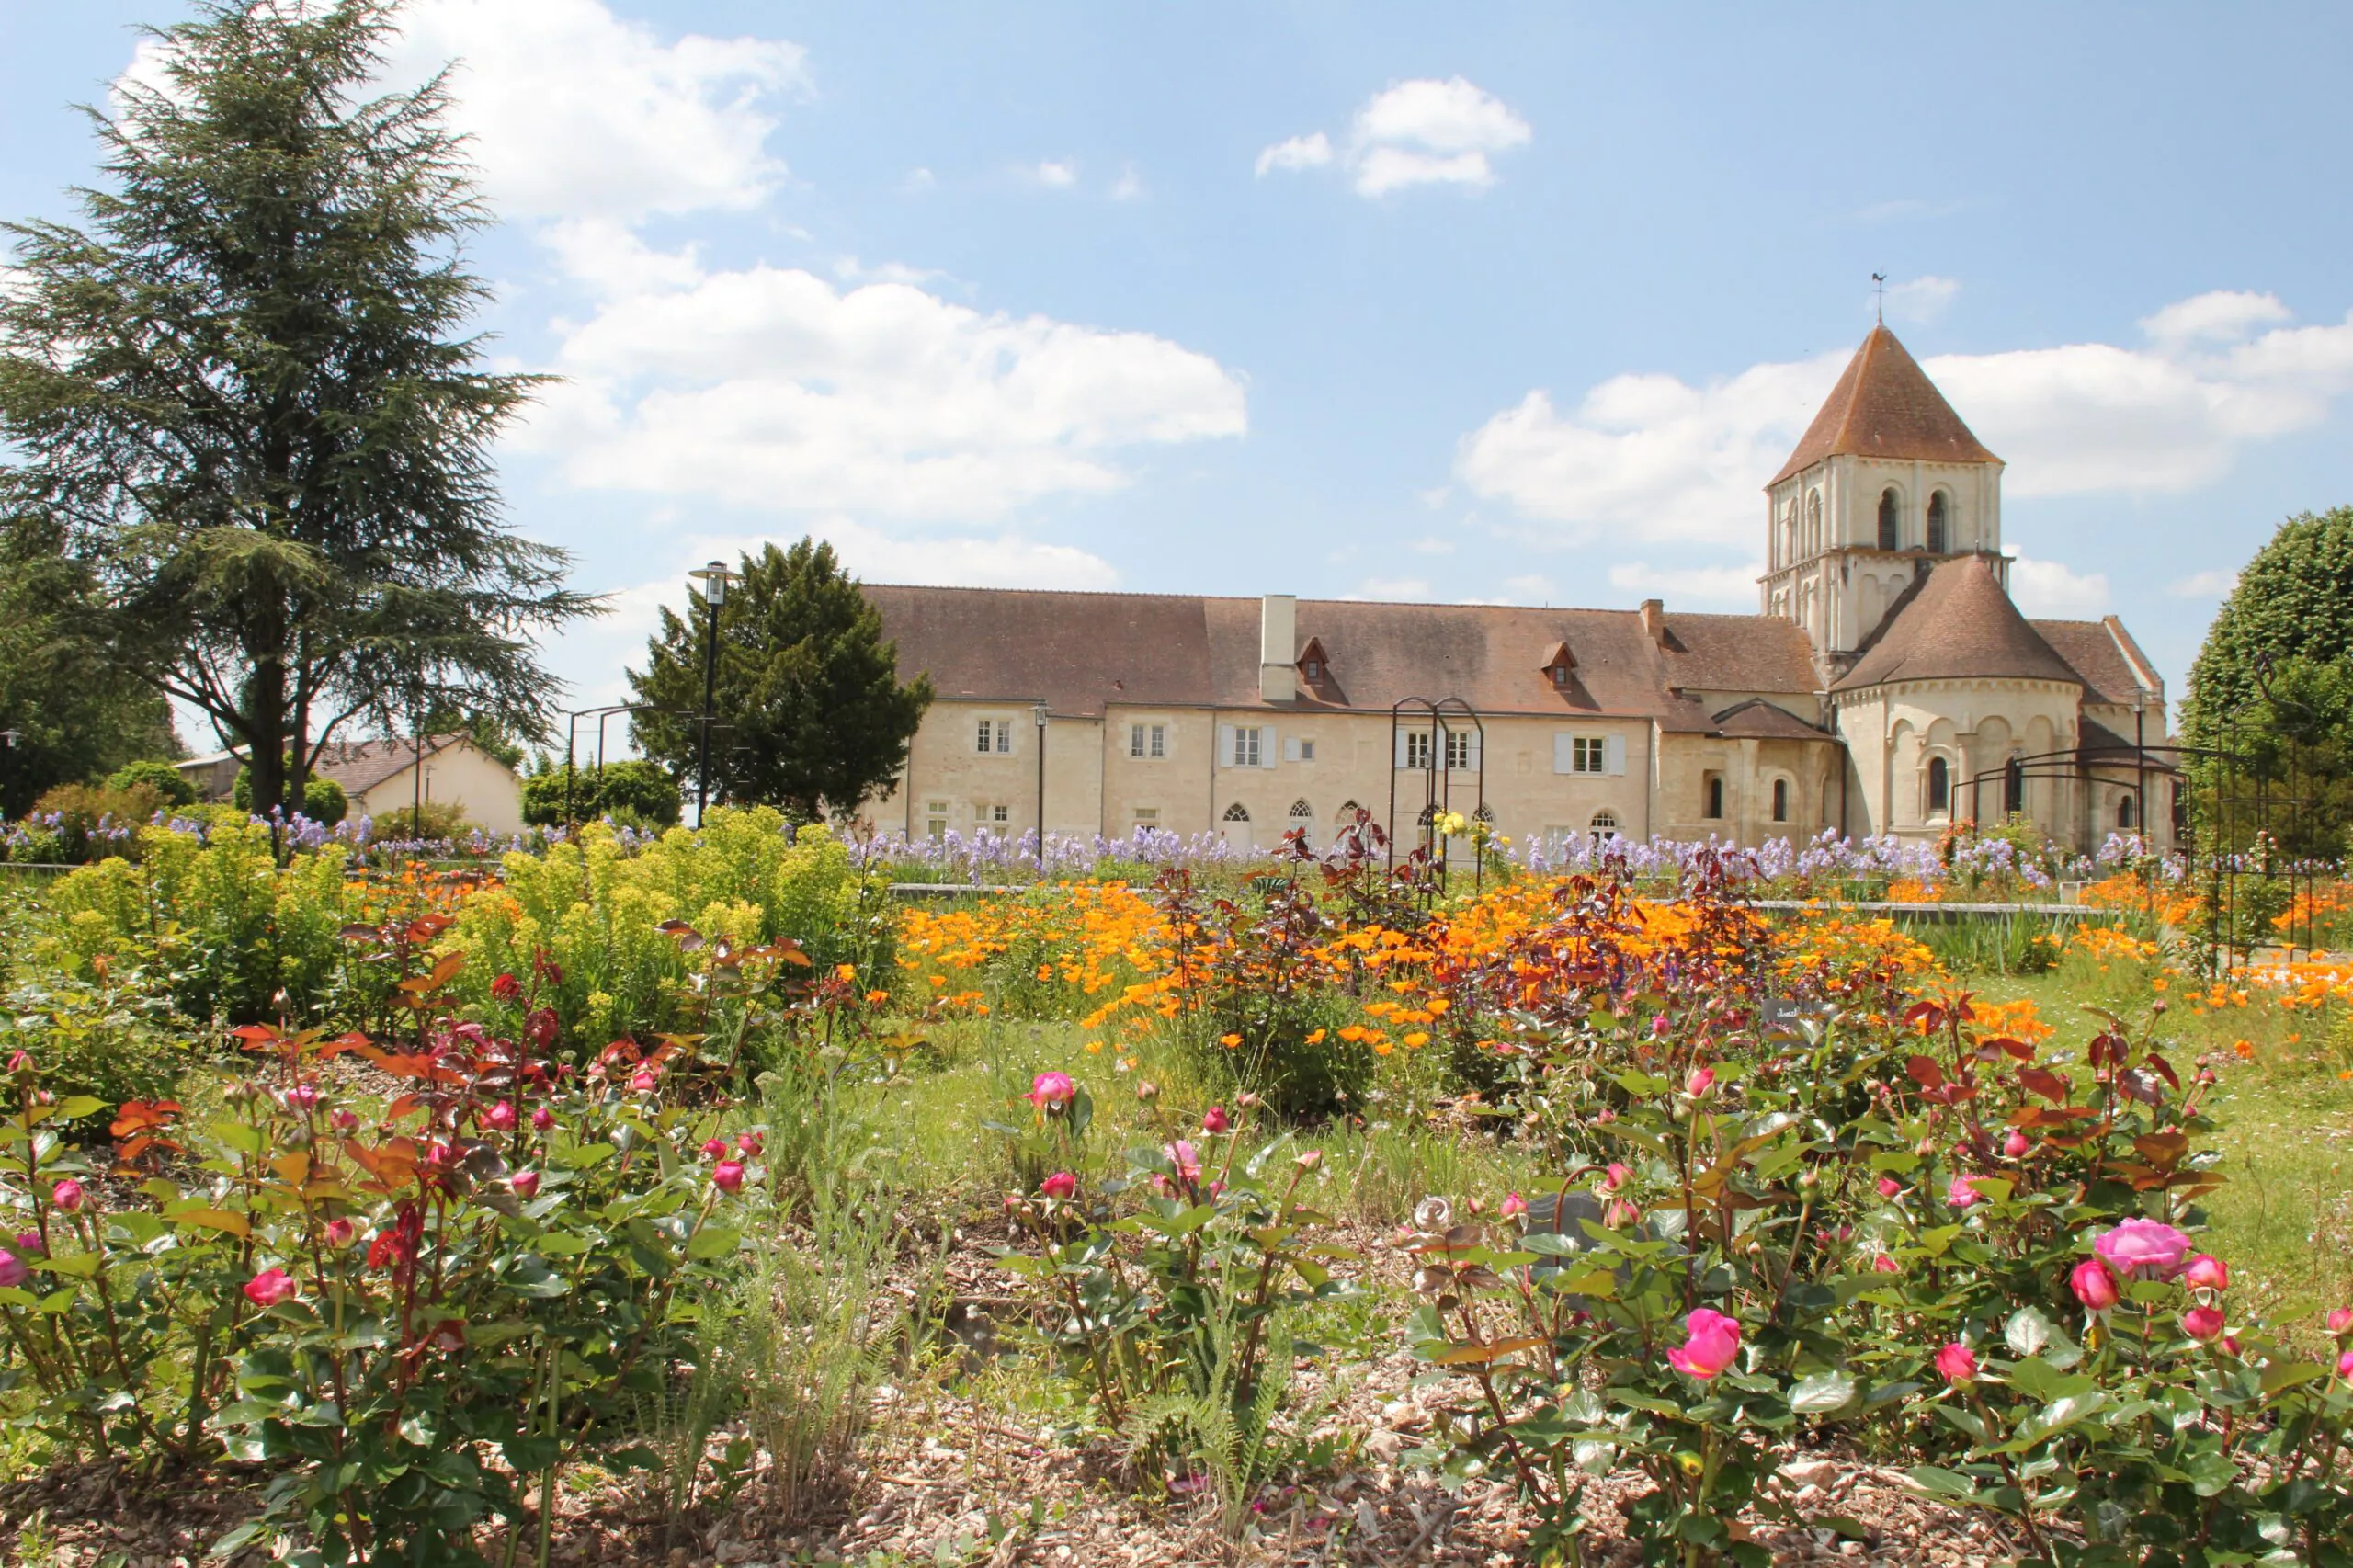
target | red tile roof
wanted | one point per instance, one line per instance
(2112, 665)
(1885, 406)
(1083, 652)
(1956, 623)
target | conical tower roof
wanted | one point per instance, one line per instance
(1956, 624)
(1885, 406)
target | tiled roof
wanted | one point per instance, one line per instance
(2111, 664)
(1956, 623)
(1759, 720)
(1083, 652)
(1885, 406)
(360, 765)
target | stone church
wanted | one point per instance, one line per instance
(1890, 685)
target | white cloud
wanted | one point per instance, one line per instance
(1920, 299)
(2212, 584)
(1528, 588)
(1060, 175)
(575, 113)
(1408, 588)
(1129, 186)
(2049, 588)
(1655, 454)
(2225, 315)
(849, 269)
(1683, 584)
(770, 388)
(1423, 131)
(1310, 152)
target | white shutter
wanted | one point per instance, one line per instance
(1225, 745)
(1477, 741)
(1291, 749)
(1270, 753)
(1613, 755)
(1404, 738)
(1563, 747)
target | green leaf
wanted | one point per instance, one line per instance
(1943, 1482)
(1821, 1394)
(714, 1241)
(76, 1107)
(2028, 1332)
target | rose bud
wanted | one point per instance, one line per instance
(713, 1148)
(1061, 1184)
(1615, 1178)
(2344, 1363)
(1883, 1264)
(2093, 1285)
(1512, 1207)
(13, 1271)
(500, 1118)
(344, 1121)
(28, 1245)
(727, 1175)
(1889, 1186)
(21, 1062)
(541, 1119)
(526, 1185)
(2207, 1272)
(2202, 1323)
(1308, 1159)
(66, 1195)
(643, 1081)
(341, 1233)
(1957, 1362)
(301, 1097)
(269, 1287)
(1701, 1080)
(747, 1143)
(2016, 1144)
(2341, 1320)
(1214, 1119)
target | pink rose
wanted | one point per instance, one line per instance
(526, 1185)
(1962, 1193)
(2340, 1320)
(2202, 1323)
(28, 1245)
(1061, 1184)
(1615, 1178)
(341, 1233)
(644, 1082)
(2344, 1365)
(67, 1195)
(1889, 1186)
(1513, 1206)
(747, 1143)
(1701, 1080)
(1883, 1264)
(1714, 1340)
(301, 1097)
(2143, 1249)
(1213, 1120)
(541, 1119)
(1051, 1091)
(1187, 1160)
(269, 1287)
(13, 1271)
(2093, 1285)
(500, 1118)
(22, 1061)
(1621, 1215)
(2016, 1144)
(713, 1147)
(728, 1175)
(2207, 1272)
(344, 1121)
(1958, 1362)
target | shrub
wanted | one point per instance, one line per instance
(162, 777)
(323, 799)
(635, 792)
(80, 823)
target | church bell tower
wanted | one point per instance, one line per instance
(1886, 483)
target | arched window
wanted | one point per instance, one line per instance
(1889, 518)
(1485, 813)
(2013, 789)
(1939, 785)
(2124, 813)
(1301, 812)
(1936, 523)
(1813, 523)
(1237, 812)
(1715, 795)
(1605, 825)
(1781, 799)
(1347, 811)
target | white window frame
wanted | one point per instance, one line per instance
(1460, 752)
(1156, 750)
(1419, 748)
(1587, 754)
(993, 737)
(1249, 747)
(937, 814)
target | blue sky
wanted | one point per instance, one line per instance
(1509, 302)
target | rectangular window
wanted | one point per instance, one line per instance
(1135, 740)
(1589, 754)
(993, 736)
(1296, 749)
(1458, 752)
(998, 817)
(1147, 819)
(1159, 743)
(1148, 742)
(1307, 751)
(1248, 741)
(1417, 748)
(935, 820)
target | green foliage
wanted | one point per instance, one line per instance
(323, 799)
(635, 792)
(590, 913)
(110, 1035)
(169, 784)
(249, 411)
(813, 717)
(78, 714)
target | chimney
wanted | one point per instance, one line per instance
(1279, 647)
(1654, 619)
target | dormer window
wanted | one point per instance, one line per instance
(1559, 666)
(1312, 668)
(1560, 674)
(1313, 662)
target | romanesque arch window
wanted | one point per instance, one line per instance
(1715, 795)
(2013, 788)
(1813, 522)
(1889, 518)
(1781, 799)
(1939, 785)
(2124, 813)
(1936, 523)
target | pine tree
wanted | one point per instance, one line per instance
(811, 713)
(246, 407)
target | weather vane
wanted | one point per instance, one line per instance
(1879, 298)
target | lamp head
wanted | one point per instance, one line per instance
(714, 579)
(1038, 713)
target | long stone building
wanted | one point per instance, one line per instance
(1890, 685)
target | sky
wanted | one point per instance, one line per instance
(1516, 303)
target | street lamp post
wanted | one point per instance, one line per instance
(1038, 714)
(714, 579)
